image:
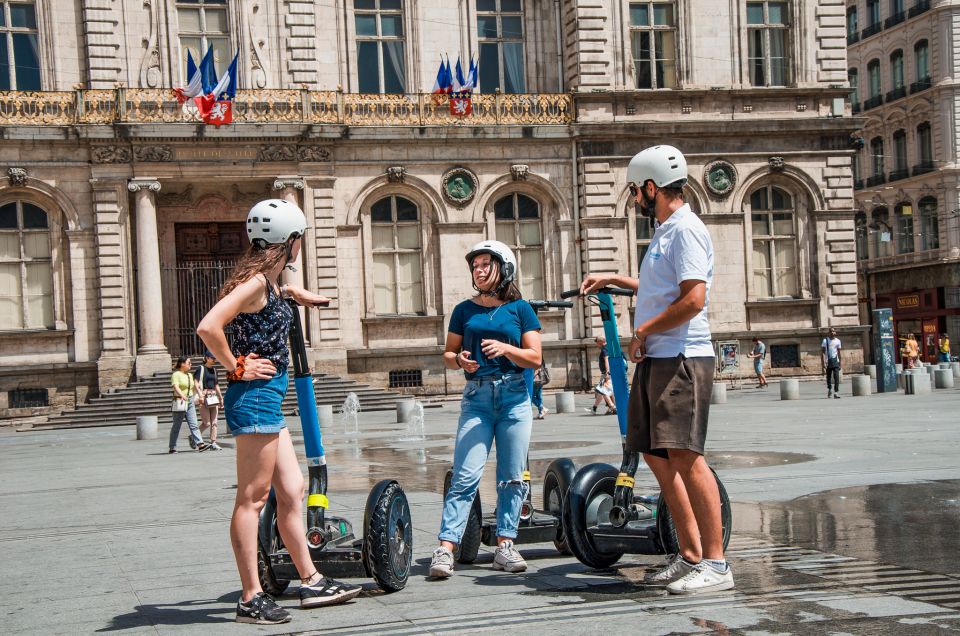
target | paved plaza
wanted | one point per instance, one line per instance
(846, 520)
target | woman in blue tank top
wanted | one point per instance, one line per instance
(493, 336)
(252, 302)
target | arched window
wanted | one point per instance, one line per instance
(26, 268)
(643, 234)
(397, 272)
(518, 225)
(873, 77)
(929, 224)
(896, 75)
(903, 214)
(921, 57)
(774, 242)
(882, 232)
(860, 234)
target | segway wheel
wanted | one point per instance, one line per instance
(556, 481)
(591, 489)
(270, 583)
(388, 544)
(469, 546)
(668, 530)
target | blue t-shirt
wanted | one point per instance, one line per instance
(506, 323)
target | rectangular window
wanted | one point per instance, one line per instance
(653, 42)
(19, 47)
(405, 378)
(397, 274)
(26, 269)
(28, 398)
(500, 35)
(873, 12)
(873, 76)
(203, 24)
(774, 243)
(381, 64)
(876, 156)
(899, 150)
(767, 43)
(784, 356)
(924, 144)
(896, 69)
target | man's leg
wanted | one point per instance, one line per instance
(703, 500)
(673, 490)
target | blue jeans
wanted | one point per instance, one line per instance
(254, 406)
(537, 397)
(191, 416)
(491, 410)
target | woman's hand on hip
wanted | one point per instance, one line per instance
(257, 368)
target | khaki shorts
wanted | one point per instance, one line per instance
(669, 405)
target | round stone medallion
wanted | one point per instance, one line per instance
(720, 177)
(459, 186)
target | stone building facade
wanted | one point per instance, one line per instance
(903, 62)
(126, 211)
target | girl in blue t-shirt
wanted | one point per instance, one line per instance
(493, 336)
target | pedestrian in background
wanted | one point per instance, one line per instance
(830, 362)
(944, 345)
(912, 349)
(183, 407)
(209, 397)
(541, 377)
(759, 351)
(604, 387)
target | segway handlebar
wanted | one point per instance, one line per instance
(544, 304)
(613, 291)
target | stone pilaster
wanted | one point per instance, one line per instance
(101, 22)
(152, 354)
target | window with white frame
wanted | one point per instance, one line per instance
(774, 243)
(653, 41)
(500, 35)
(19, 47)
(768, 28)
(517, 219)
(380, 46)
(202, 24)
(882, 232)
(929, 224)
(26, 268)
(396, 246)
(903, 214)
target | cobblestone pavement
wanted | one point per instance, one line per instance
(846, 520)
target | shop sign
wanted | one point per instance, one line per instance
(908, 302)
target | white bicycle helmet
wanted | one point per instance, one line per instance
(499, 251)
(664, 165)
(274, 221)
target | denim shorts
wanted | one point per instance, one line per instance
(254, 406)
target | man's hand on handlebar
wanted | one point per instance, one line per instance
(593, 282)
(306, 298)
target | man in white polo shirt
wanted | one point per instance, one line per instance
(670, 396)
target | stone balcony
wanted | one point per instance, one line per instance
(278, 106)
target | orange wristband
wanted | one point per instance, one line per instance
(237, 374)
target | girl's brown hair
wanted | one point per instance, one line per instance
(256, 260)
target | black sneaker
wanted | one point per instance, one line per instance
(202, 446)
(172, 451)
(327, 591)
(261, 610)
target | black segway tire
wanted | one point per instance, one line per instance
(590, 483)
(388, 537)
(469, 546)
(267, 534)
(667, 530)
(556, 482)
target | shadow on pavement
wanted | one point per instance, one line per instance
(186, 613)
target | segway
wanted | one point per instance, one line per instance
(384, 551)
(603, 517)
(536, 526)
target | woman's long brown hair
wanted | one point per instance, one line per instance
(255, 260)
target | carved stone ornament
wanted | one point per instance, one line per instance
(395, 174)
(136, 185)
(239, 196)
(153, 153)
(18, 176)
(110, 154)
(720, 177)
(776, 163)
(313, 153)
(177, 198)
(283, 184)
(459, 186)
(277, 152)
(519, 171)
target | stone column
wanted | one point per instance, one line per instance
(287, 188)
(152, 354)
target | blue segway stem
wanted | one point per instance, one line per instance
(309, 420)
(615, 360)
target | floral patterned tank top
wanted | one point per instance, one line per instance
(265, 332)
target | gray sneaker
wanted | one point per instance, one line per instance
(676, 568)
(702, 579)
(441, 565)
(508, 559)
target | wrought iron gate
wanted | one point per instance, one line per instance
(190, 289)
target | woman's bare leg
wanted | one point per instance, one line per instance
(288, 488)
(256, 460)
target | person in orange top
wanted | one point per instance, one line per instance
(912, 350)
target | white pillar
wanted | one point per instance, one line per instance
(287, 187)
(152, 354)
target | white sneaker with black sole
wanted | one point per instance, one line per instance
(508, 559)
(327, 591)
(702, 579)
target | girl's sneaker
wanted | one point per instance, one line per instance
(327, 591)
(261, 610)
(508, 559)
(441, 565)
(214, 446)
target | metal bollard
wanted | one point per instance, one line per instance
(325, 414)
(146, 427)
(719, 393)
(565, 402)
(943, 379)
(862, 385)
(789, 389)
(405, 410)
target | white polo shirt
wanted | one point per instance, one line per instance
(680, 250)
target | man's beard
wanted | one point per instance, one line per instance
(648, 206)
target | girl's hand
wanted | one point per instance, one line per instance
(468, 365)
(257, 368)
(307, 299)
(493, 349)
